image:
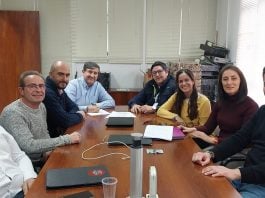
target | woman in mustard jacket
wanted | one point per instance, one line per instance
(186, 106)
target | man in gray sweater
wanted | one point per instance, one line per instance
(25, 119)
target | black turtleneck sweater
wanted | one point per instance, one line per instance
(252, 133)
(229, 116)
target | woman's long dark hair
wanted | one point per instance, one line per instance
(193, 106)
(243, 89)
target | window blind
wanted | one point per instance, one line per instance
(112, 30)
(55, 28)
(163, 30)
(198, 25)
(89, 30)
(125, 31)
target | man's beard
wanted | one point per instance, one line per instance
(62, 85)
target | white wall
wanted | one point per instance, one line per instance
(122, 75)
(18, 4)
(131, 76)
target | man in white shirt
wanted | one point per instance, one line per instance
(16, 170)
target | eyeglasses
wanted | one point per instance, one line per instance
(157, 72)
(35, 86)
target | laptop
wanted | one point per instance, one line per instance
(120, 122)
(116, 139)
(73, 177)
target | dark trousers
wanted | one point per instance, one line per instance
(19, 195)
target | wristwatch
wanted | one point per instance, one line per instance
(211, 154)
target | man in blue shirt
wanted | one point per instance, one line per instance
(87, 92)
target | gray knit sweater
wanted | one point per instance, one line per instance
(29, 128)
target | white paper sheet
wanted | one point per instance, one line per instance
(121, 114)
(159, 132)
(100, 112)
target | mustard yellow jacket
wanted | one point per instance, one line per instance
(204, 110)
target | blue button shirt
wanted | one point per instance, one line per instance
(83, 95)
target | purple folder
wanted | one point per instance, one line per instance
(178, 134)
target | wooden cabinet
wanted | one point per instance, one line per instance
(122, 96)
(19, 50)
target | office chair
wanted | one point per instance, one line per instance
(236, 160)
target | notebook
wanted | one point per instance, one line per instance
(177, 134)
(115, 139)
(163, 132)
(120, 122)
(72, 177)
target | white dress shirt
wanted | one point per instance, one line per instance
(15, 166)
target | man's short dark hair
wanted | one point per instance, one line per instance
(90, 65)
(21, 82)
(159, 63)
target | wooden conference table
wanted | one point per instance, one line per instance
(177, 175)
